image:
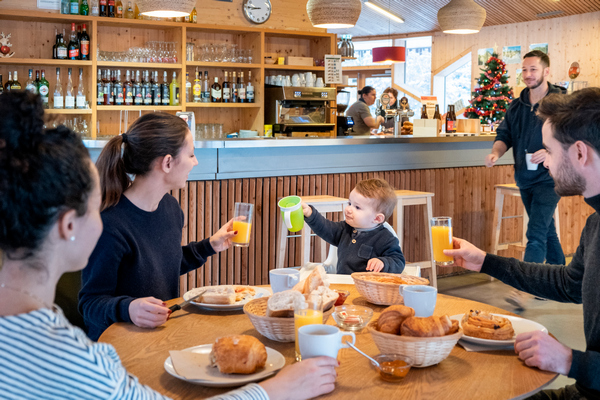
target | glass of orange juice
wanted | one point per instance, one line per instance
(242, 223)
(441, 238)
(308, 313)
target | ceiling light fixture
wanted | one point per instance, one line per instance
(382, 11)
(166, 8)
(333, 14)
(461, 17)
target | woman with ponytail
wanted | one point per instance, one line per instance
(139, 258)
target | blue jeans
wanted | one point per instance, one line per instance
(542, 241)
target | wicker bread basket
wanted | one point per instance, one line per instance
(278, 329)
(424, 351)
(384, 293)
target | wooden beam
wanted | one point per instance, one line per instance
(408, 93)
(390, 37)
(449, 63)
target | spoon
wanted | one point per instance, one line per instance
(355, 348)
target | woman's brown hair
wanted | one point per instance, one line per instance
(151, 136)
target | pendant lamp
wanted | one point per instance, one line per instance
(461, 17)
(166, 8)
(333, 14)
(388, 54)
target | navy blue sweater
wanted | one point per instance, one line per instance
(356, 248)
(139, 254)
(574, 283)
(521, 129)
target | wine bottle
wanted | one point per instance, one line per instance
(80, 98)
(188, 87)
(44, 90)
(147, 89)
(174, 91)
(73, 49)
(226, 90)
(156, 93)
(234, 89)
(70, 91)
(99, 88)
(8, 82)
(108, 89)
(250, 89)
(138, 99)
(194, 16)
(215, 91)
(128, 89)
(241, 88)
(30, 84)
(61, 48)
(58, 92)
(197, 89)
(15, 85)
(84, 45)
(164, 89)
(205, 88)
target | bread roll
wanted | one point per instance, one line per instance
(238, 354)
(329, 296)
(318, 277)
(281, 304)
(392, 318)
(482, 324)
(219, 295)
(426, 327)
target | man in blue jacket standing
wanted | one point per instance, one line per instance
(521, 129)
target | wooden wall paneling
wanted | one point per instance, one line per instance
(222, 216)
(277, 191)
(192, 215)
(255, 273)
(200, 235)
(234, 195)
(43, 34)
(274, 215)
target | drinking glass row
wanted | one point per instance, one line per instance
(226, 52)
(307, 79)
(209, 131)
(152, 52)
(76, 124)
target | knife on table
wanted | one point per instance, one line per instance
(179, 306)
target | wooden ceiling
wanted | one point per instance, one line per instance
(421, 16)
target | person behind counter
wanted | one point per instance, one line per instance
(359, 111)
(393, 95)
(139, 257)
(49, 224)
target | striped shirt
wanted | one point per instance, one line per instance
(42, 356)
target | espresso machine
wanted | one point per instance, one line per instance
(299, 111)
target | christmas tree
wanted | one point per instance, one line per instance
(492, 96)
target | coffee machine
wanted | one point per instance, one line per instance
(299, 111)
(344, 123)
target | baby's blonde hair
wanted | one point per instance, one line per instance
(381, 193)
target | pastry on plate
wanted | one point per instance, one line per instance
(238, 354)
(484, 325)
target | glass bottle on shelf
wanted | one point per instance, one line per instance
(55, 43)
(234, 88)
(74, 7)
(73, 50)
(188, 87)
(95, 8)
(164, 88)
(44, 90)
(15, 84)
(84, 8)
(215, 91)
(197, 89)
(84, 45)
(99, 88)
(206, 88)
(80, 99)
(8, 82)
(111, 8)
(29, 84)
(250, 89)
(174, 91)
(37, 80)
(194, 16)
(108, 89)
(424, 112)
(119, 7)
(129, 14)
(118, 90)
(156, 94)
(65, 6)
(61, 48)
(241, 88)
(226, 90)
(58, 92)
(136, 12)
(138, 99)
(103, 8)
(147, 89)
(70, 91)
(1, 86)
(450, 126)
(438, 117)
(128, 89)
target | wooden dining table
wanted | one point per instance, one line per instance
(463, 375)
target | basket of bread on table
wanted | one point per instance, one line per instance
(383, 288)
(273, 316)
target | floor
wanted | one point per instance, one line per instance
(564, 321)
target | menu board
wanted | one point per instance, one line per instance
(333, 68)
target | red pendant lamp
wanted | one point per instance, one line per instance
(388, 54)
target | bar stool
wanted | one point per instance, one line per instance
(323, 204)
(406, 198)
(511, 189)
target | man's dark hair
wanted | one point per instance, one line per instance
(544, 59)
(574, 117)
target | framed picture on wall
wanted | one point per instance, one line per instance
(543, 47)
(511, 54)
(483, 55)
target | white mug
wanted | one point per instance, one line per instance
(309, 80)
(321, 340)
(319, 82)
(530, 165)
(421, 298)
(283, 279)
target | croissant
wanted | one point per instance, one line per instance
(427, 327)
(238, 354)
(482, 324)
(392, 317)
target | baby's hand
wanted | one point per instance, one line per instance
(306, 209)
(375, 265)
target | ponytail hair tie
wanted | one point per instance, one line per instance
(124, 137)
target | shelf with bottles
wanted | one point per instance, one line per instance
(136, 108)
(223, 105)
(41, 16)
(74, 111)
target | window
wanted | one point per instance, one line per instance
(458, 85)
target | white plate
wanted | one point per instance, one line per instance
(275, 361)
(520, 325)
(238, 305)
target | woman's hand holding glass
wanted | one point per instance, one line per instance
(221, 240)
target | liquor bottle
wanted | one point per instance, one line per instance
(74, 7)
(108, 89)
(70, 92)
(80, 93)
(73, 44)
(84, 8)
(44, 90)
(226, 90)
(128, 89)
(95, 8)
(197, 89)
(438, 117)
(61, 48)
(15, 84)
(8, 82)
(136, 13)
(147, 89)
(215, 91)
(250, 89)
(55, 44)
(187, 18)
(65, 6)
(156, 93)
(119, 9)
(99, 88)
(424, 112)
(30, 84)
(451, 120)
(138, 98)
(174, 91)
(111, 8)
(188, 87)
(241, 88)
(206, 88)
(58, 92)
(234, 89)
(164, 91)
(118, 89)
(37, 80)
(194, 16)
(129, 14)
(84, 45)
(103, 8)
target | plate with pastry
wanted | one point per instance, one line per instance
(482, 327)
(231, 361)
(226, 297)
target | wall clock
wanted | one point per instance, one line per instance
(257, 11)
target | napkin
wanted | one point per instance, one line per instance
(469, 346)
(192, 365)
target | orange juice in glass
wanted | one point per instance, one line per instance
(310, 313)
(242, 223)
(441, 239)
